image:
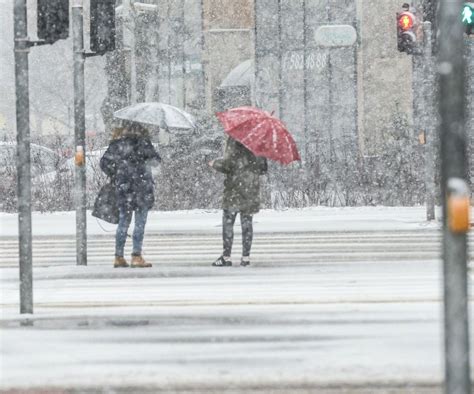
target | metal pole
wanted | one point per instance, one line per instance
(281, 92)
(330, 135)
(451, 69)
(129, 32)
(23, 156)
(470, 101)
(79, 133)
(127, 48)
(305, 87)
(429, 120)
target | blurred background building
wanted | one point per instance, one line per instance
(200, 56)
(351, 106)
(181, 52)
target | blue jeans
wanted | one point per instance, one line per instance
(125, 218)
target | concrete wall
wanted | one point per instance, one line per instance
(311, 87)
(384, 75)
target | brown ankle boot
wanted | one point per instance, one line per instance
(139, 262)
(120, 262)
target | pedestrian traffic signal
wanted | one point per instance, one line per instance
(102, 26)
(467, 17)
(53, 20)
(406, 21)
(406, 36)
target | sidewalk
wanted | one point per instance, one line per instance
(319, 219)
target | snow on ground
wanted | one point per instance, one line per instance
(181, 325)
(230, 346)
(290, 220)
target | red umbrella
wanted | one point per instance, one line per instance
(263, 134)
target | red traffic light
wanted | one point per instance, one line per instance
(406, 20)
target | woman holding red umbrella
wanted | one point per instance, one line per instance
(241, 195)
(253, 136)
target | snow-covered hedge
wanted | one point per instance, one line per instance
(339, 176)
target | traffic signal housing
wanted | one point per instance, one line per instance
(406, 35)
(53, 20)
(467, 17)
(102, 26)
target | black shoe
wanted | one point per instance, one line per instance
(244, 263)
(221, 262)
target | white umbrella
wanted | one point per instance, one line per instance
(157, 114)
(242, 75)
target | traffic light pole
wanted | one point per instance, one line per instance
(129, 48)
(451, 69)
(425, 113)
(429, 121)
(80, 197)
(22, 50)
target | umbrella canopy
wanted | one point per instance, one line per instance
(242, 75)
(263, 134)
(157, 114)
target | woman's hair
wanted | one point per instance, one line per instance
(134, 129)
(130, 129)
(117, 132)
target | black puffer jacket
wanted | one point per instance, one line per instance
(127, 161)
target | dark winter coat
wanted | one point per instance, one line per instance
(242, 183)
(127, 162)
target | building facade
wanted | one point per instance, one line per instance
(185, 49)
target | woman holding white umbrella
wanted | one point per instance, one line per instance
(127, 162)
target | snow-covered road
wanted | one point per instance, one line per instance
(321, 307)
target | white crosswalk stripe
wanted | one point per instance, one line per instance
(268, 249)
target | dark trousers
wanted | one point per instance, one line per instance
(228, 220)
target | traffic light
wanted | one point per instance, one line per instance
(406, 23)
(467, 17)
(53, 20)
(102, 26)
